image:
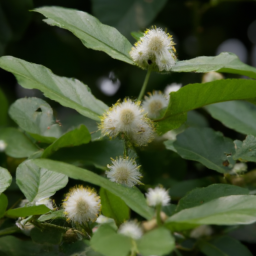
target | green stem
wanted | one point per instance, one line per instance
(134, 249)
(158, 215)
(144, 86)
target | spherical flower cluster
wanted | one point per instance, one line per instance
(46, 201)
(154, 103)
(128, 118)
(103, 219)
(131, 229)
(155, 50)
(174, 87)
(201, 231)
(212, 76)
(3, 145)
(124, 171)
(158, 196)
(82, 205)
(239, 168)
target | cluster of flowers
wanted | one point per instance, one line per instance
(155, 50)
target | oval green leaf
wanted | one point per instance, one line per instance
(38, 183)
(69, 92)
(5, 179)
(90, 31)
(27, 211)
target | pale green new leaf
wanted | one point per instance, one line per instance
(90, 31)
(18, 145)
(69, 92)
(237, 115)
(226, 62)
(246, 150)
(35, 116)
(5, 179)
(158, 242)
(194, 96)
(131, 196)
(38, 183)
(75, 137)
(228, 210)
(205, 146)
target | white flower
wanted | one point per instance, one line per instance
(143, 134)
(127, 118)
(103, 219)
(82, 205)
(3, 146)
(174, 87)
(155, 50)
(122, 117)
(131, 229)
(46, 201)
(124, 171)
(158, 196)
(154, 103)
(201, 231)
(212, 76)
(238, 168)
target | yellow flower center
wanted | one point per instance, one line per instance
(156, 44)
(155, 106)
(127, 116)
(82, 206)
(122, 175)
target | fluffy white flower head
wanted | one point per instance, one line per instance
(154, 50)
(154, 103)
(239, 168)
(46, 201)
(124, 171)
(3, 145)
(174, 87)
(82, 205)
(212, 76)
(122, 117)
(201, 231)
(131, 229)
(158, 196)
(103, 219)
(143, 134)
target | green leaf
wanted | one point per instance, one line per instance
(224, 246)
(76, 137)
(127, 15)
(90, 31)
(52, 216)
(4, 108)
(205, 146)
(114, 207)
(137, 35)
(158, 242)
(169, 210)
(246, 150)
(237, 115)
(12, 246)
(131, 196)
(47, 235)
(200, 196)
(226, 62)
(5, 179)
(106, 241)
(194, 96)
(35, 116)
(18, 145)
(69, 92)
(38, 183)
(228, 210)
(27, 211)
(3, 204)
